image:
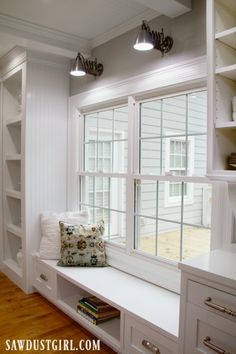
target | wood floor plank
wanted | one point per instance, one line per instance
(31, 316)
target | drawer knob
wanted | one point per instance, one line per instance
(207, 342)
(151, 347)
(220, 308)
(43, 277)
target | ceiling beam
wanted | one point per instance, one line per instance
(170, 8)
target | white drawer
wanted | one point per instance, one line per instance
(44, 279)
(138, 337)
(204, 326)
(216, 301)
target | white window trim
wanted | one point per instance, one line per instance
(189, 199)
(188, 75)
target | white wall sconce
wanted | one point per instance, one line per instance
(82, 66)
(148, 39)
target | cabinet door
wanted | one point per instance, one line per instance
(140, 338)
(207, 332)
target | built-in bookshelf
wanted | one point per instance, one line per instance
(13, 118)
(221, 54)
(34, 106)
(68, 297)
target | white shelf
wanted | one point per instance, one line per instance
(227, 71)
(228, 37)
(225, 125)
(15, 121)
(13, 157)
(13, 194)
(10, 263)
(110, 328)
(16, 230)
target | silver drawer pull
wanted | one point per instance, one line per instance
(150, 346)
(43, 277)
(220, 308)
(208, 344)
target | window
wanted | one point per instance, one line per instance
(103, 189)
(153, 197)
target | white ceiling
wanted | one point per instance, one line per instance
(67, 26)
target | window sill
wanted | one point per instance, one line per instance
(163, 273)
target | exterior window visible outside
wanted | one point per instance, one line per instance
(172, 215)
(171, 210)
(179, 161)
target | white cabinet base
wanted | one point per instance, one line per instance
(208, 303)
(140, 338)
(138, 321)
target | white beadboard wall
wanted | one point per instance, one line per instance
(47, 88)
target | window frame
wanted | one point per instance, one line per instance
(133, 169)
(181, 77)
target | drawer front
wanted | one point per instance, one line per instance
(44, 280)
(216, 301)
(207, 332)
(140, 338)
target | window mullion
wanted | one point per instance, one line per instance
(80, 148)
(94, 198)
(181, 221)
(157, 213)
(96, 161)
(132, 166)
(113, 138)
(161, 140)
(186, 139)
(109, 208)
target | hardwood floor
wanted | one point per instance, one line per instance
(31, 316)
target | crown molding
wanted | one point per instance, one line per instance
(124, 27)
(12, 59)
(28, 30)
(18, 55)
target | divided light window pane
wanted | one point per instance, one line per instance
(179, 120)
(105, 198)
(105, 141)
(174, 233)
(173, 218)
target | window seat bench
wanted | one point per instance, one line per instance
(149, 315)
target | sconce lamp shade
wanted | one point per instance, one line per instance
(77, 68)
(148, 39)
(143, 41)
(82, 66)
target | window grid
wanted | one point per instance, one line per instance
(184, 168)
(162, 138)
(104, 126)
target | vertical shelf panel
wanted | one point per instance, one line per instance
(12, 171)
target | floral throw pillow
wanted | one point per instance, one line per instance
(82, 245)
